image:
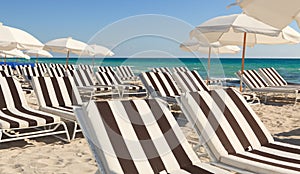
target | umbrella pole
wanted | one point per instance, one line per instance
(36, 58)
(243, 61)
(208, 66)
(4, 59)
(68, 54)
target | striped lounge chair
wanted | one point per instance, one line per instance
(257, 84)
(126, 73)
(105, 69)
(161, 69)
(113, 80)
(57, 95)
(7, 69)
(19, 121)
(29, 72)
(138, 136)
(159, 84)
(234, 136)
(273, 78)
(181, 68)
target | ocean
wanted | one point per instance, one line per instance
(220, 68)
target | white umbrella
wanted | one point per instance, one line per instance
(193, 45)
(67, 46)
(278, 13)
(240, 29)
(13, 53)
(11, 38)
(38, 53)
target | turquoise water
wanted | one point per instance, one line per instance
(220, 68)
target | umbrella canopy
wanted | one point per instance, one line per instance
(101, 50)
(11, 38)
(13, 53)
(240, 29)
(38, 53)
(67, 46)
(194, 45)
(277, 13)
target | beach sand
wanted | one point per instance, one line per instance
(49, 155)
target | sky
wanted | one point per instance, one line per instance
(103, 21)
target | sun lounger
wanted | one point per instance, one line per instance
(257, 84)
(18, 121)
(29, 72)
(182, 68)
(161, 69)
(126, 73)
(273, 78)
(7, 69)
(105, 69)
(113, 80)
(88, 68)
(43, 66)
(233, 138)
(159, 84)
(138, 136)
(57, 95)
(56, 72)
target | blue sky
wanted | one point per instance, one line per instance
(51, 19)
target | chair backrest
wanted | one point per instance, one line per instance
(190, 81)
(56, 91)
(182, 68)
(7, 69)
(82, 77)
(56, 72)
(161, 69)
(108, 78)
(125, 72)
(29, 72)
(252, 79)
(136, 136)
(105, 69)
(85, 67)
(42, 66)
(272, 77)
(160, 84)
(19, 69)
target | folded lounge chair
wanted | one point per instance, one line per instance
(126, 73)
(57, 95)
(235, 139)
(159, 84)
(19, 121)
(138, 136)
(257, 84)
(273, 78)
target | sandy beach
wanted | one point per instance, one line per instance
(49, 155)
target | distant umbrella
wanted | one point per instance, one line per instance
(67, 46)
(99, 50)
(13, 53)
(197, 46)
(38, 53)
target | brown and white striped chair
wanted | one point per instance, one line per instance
(181, 68)
(126, 73)
(19, 121)
(234, 136)
(113, 80)
(161, 69)
(105, 69)
(57, 95)
(273, 78)
(159, 84)
(256, 83)
(138, 136)
(7, 69)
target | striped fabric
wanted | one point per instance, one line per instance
(139, 136)
(19, 69)
(160, 84)
(29, 72)
(43, 66)
(252, 79)
(88, 68)
(126, 73)
(62, 66)
(15, 112)
(190, 81)
(234, 137)
(7, 69)
(56, 72)
(161, 69)
(182, 68)
(272, 77)
(112, 79)
(105, 69)
(57, 95)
